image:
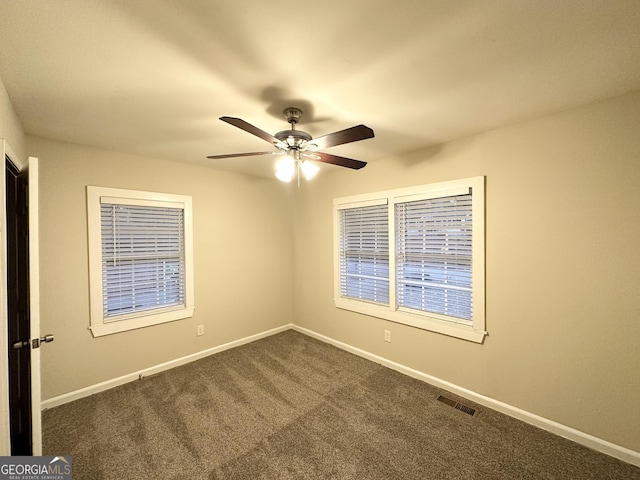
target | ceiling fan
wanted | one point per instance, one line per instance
(299, 146)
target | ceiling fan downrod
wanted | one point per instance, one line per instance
(292, 115)
(293, 139)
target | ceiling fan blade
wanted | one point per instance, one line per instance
(335, 160)
(353, 134)
(249, 154)
(247, 127)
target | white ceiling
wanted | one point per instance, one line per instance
(152, 77)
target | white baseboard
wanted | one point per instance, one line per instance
(100, 387)
(582, 438)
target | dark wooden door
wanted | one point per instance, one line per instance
(18, 309)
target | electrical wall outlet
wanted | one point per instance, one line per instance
(387, 336)
(200, 330)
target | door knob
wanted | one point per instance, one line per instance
(35, 343)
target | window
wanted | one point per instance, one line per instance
(414, 256)
(434, 255)
(140, 259)
(364, 253)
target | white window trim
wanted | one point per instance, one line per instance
(475, 331)
(143, 319)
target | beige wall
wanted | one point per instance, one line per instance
(562, 267)
(242, 251)
(10, 128)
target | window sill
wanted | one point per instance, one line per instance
(423, 322)
(129, 323)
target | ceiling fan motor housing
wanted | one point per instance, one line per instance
(293, 138)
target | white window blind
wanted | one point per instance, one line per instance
(143, 259)
(364, 253)
(434, 255)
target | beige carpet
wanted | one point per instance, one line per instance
(291, 407)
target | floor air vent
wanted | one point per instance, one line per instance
(458, 406)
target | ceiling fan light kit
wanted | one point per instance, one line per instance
(300, 148)
(288, 167)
